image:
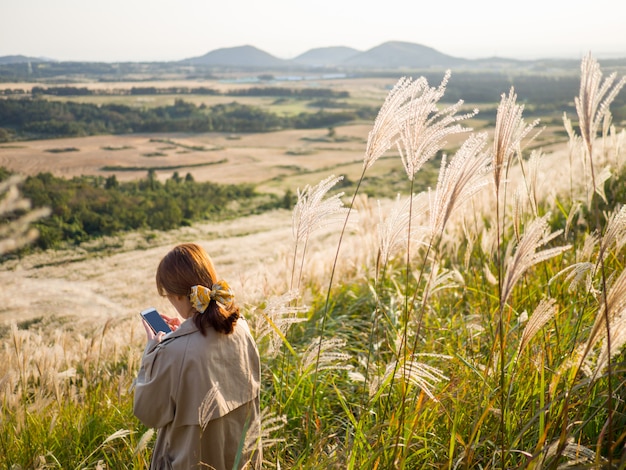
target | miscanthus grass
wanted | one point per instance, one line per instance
(479, 324)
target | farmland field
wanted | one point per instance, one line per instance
(253, 158)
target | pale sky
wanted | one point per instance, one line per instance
(161, 30)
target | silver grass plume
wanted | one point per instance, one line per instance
(614, 237)
(543, 313)
(613, 310)
(459, 180)
(509, 131)
(386, 127)
(393, 229)
(489, 276)
(576, 274)
(617, 146)
(618, 340)
(277, 317)
(536, 234)
(253, 442)
(439, 279)
(326, 353)
(272, 425)
(574, 210)
(119, 434)
(575, 151)
(424, 128)
(314, 210)
(209, 405)
(594, 99)
(602, 178)
(16, 232)
(577, 455)
(615, 232)
(143, 441)
(422, 375)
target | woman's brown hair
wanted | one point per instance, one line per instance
(188, 265)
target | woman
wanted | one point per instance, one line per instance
(199, 385)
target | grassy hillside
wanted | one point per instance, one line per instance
(476, 325)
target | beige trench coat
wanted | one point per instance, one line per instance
(175, 377)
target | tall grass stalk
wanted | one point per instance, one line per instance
(592, 107)
(510, 130)
(422, 134)
(387, 126)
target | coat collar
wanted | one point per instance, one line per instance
(187, 327)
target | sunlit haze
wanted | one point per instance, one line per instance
(159, 30)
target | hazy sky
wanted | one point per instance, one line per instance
(144, 30)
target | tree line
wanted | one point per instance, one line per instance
(87, 207)
(34, 118)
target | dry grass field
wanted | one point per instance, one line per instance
(253, 158)
(115, 278)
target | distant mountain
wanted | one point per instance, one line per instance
(19, 59)
(241, 56)
(396, 54)
(389, 55)
(326, 56)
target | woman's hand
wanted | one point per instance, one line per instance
(150, 333)
(172, 322)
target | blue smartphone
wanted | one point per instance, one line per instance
(155, 320)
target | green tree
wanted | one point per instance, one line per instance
(165, 214)
(111, 182)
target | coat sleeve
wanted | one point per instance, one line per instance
(156, 386)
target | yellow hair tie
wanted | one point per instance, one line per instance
(201, 296)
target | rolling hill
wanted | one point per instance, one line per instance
(326, 56)
(396, 54)
(241, 56)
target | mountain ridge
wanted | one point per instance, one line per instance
(390, 55)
